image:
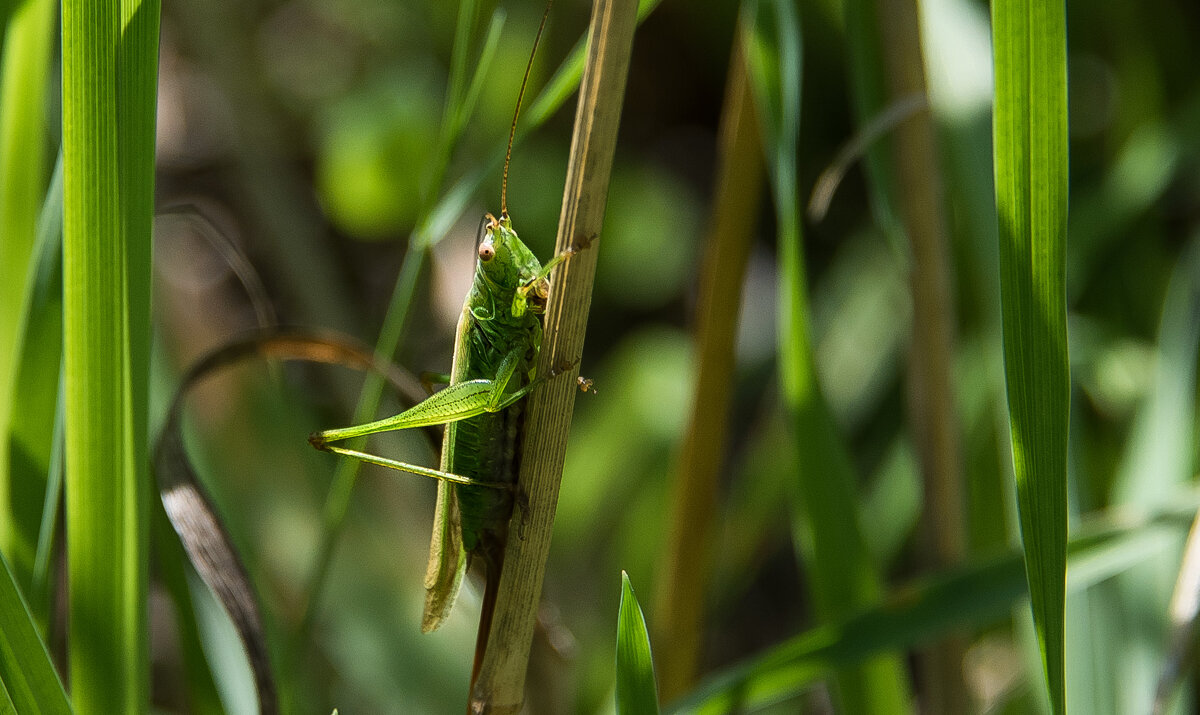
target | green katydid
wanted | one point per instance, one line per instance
(495, 349)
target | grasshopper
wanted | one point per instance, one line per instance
(495, 351)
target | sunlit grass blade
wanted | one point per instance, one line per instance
(636, 691)
(108, 163)
(1030, 144)
(973, 596)
(24, 66)
(841, 575)
(26, 674)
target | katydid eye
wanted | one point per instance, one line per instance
(486, 252)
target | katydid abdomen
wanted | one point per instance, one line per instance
(484, 448)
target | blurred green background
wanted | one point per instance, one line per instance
(307, 133)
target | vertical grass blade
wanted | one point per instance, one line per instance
(109, 76)
(636, 692)
(869, 93)
(24, 66)
(1030, 132)
(32, 440)
(841, 573)
(27, 676)
(137, 103)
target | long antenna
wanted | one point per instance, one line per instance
(512, 133)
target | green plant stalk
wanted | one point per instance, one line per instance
(842, 576)
(109, 81)
(679, 625)
(24, 66)
(1030, 145)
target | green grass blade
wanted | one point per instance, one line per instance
(109, 80)
(462, 92)
(29, 444)
(52, 503)
(98, 419)
(26, 674)
(973, 596)
(24, 67)
(636, 691)
(1030, 130)
(464, 30)
(137, 103)
(842, 576)
(6, 703)
(458, 114)
(869, 92)
(37, 440)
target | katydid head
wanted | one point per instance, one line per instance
(503, 259)
(508, 264)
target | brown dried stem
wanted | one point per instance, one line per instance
(501, 683)
(679, 617)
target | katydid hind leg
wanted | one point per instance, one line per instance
(457, 402)
(438, 474)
